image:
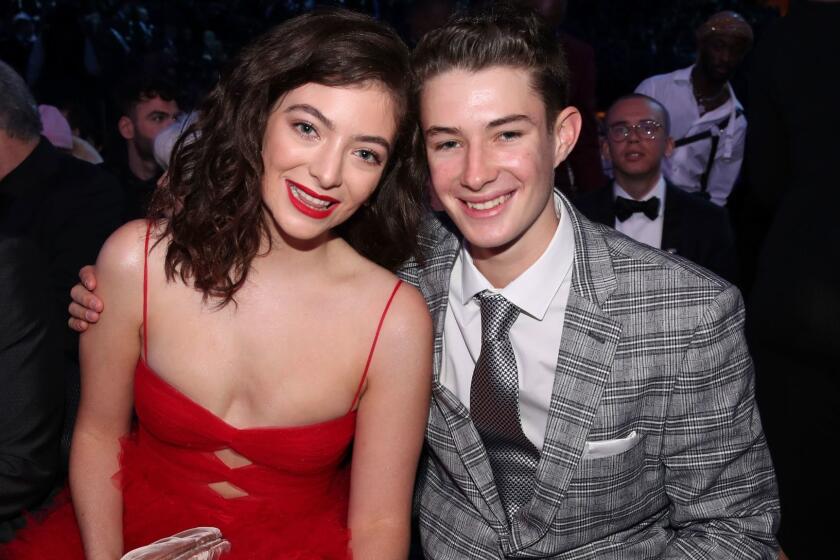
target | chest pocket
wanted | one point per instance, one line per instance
(614, 477)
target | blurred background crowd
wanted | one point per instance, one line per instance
(73, 52)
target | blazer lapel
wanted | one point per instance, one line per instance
(605, 206)
(672, 222)
(584, 364)
(449, 420)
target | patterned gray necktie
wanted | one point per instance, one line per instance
(494, 405)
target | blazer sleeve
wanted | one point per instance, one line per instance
(719, 475)
(31, 382)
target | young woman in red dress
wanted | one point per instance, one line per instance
(279, 372)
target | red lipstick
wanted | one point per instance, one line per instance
(306, 209)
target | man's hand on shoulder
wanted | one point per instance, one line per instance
(85, 307)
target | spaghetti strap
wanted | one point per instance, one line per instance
(145, 291)
(373, 346)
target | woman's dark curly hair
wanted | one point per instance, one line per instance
(212, 207)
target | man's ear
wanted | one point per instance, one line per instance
(126, 127)
(566, 131)
(669, 147)
(605, 151)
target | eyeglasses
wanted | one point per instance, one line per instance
(619, 132)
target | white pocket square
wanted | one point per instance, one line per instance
(609, 447)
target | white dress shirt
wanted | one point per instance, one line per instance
(541, 293)
(687, 163)
(638, 226)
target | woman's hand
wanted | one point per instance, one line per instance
(199, 543)
(85, 307)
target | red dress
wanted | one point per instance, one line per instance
(297, 484)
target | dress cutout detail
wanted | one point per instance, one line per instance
(297, 482)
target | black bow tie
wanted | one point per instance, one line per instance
(625, 207)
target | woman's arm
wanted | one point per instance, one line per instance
(108, 356)
(390, 426)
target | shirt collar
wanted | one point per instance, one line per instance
(683, 75)
(534, 290)
(658, 190)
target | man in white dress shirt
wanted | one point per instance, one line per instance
(641, 204)
(707, 120)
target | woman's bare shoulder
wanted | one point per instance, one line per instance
(123, 251)
(409, 312)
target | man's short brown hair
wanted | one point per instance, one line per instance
(504, 34)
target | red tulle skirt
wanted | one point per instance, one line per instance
(284, 521)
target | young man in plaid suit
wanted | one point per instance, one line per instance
(592, 396)
(636, 434)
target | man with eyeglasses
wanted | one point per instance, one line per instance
(708, 121)
(642, 204)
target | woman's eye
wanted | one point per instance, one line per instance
(369, 156)
(305, 129)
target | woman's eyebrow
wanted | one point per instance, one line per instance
(373, 140)
(306, 108)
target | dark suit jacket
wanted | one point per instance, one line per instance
(693, 228)
(31, 383)
(67, 208)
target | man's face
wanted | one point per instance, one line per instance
(636, 156)
(150, 117)
(492, 156)
(719, 55)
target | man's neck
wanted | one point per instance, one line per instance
(638, 187)
(13, 152)
(503, 265)
(703, 84)
(142, 168)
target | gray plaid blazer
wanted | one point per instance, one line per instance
(650, 343)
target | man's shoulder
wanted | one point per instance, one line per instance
(659, 83)
(694, 206)
(83, 175)
(639, 267)
(80, 186)
(699, 217)
(438, 242)
(595, 205)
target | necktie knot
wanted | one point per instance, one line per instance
(497, 315)
(625, 207)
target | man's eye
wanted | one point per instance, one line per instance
(648, 129)
(509, 135)
(447, 145)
